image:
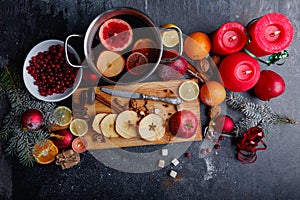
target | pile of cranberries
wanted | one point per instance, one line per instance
(50, 71)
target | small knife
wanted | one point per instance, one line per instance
(135, 95)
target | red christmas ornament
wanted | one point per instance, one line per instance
(62, 139)
(224, 124)
(32, 119)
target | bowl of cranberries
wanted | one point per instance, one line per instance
(47, 75)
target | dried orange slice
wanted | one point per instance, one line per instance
(170, 38)
(45, 152)
(188, 91)
(79, 127)
(62, 116)
(136, 63)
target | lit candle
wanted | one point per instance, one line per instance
(270, 34)
(229, 38)
(79, 145)
(239, 72)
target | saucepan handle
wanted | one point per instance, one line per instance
(180, 44)
(66, 44)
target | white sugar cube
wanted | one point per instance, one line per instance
(161, 163)
(164, 152)
(175, 162)
(173, 174)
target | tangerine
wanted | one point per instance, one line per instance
(197, 45)
(212, 93)
(45, 152)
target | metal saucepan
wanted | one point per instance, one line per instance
(142, 26)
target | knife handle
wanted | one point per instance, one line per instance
(174, 101)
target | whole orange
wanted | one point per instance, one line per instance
(212, 93)
(197, 45)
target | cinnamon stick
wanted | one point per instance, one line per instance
(192, 70)
(108, 103)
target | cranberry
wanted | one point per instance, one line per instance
(221, 137)
(217, 146)
(51, 72)
(187, 154)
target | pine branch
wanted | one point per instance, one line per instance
(255, 114)
(19, 142)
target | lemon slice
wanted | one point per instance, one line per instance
(188, 91)
(79, 127)
(170, 38)
(62, 116)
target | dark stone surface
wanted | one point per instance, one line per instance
(275, 175)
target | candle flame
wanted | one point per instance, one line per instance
(79, 145)
(232, 38)
(275, 33)
(248, 71)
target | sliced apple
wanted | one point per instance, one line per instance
(96, 122)
(110, 63)
(107, 126)
(126, 124)
(152, 128)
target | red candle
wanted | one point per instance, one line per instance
(229, 38)
(79, 145)
(239, 72)
(270, 34)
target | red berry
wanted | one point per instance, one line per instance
(221, 137)
(187, 154)
(217, 146)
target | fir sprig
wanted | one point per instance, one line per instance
(18, 141)
(254, 114)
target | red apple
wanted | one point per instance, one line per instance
(89, 78)
(62, 138)
(172, 70)
(269, 85)
(183, 124)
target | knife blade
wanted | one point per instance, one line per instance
(136, 95)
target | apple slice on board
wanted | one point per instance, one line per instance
(152, 127)
(107, 126)
(96, 122)
(126, 124)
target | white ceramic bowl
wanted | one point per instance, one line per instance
(28, 79)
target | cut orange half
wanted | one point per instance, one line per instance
(45, 152)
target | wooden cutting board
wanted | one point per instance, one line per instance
(161, 89)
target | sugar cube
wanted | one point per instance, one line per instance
(161, 163)
(175, 162)
(173, 174)
(164, 152)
